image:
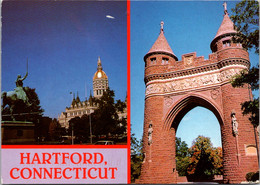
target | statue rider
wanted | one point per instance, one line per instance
(21, 94)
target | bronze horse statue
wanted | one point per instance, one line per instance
(11, 98)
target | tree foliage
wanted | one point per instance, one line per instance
(80, 127)
(105, 118)
(56, 131)
(246, 20)
(104, 121)
(205, 161)
(136, 157)
(182, 156)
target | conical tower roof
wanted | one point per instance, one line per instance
(161, 45)
(226, 28)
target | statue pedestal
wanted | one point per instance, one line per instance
(17, 132)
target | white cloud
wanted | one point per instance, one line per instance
(110, 17)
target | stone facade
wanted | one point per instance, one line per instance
(78, 107)
(174, 87)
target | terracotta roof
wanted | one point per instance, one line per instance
(227, 26)
(161, 45)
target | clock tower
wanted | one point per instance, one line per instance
(100, 81)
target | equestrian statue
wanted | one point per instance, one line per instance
(19, 95)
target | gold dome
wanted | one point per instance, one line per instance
(100, 74)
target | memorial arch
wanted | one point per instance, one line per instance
(174, 87)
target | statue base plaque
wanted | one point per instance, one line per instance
(17, 132)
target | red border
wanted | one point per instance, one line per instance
(128, 146)
(128, 94)
(62, 146)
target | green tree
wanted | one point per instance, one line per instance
(122, 122)
(56, 131)
(250, 107)
(246, 20)
(182, 156)
(42, 128)
(136, 158)
(203, 161)
(217, 160)
(80, 128)
(105, 118)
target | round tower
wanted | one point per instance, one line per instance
(159, 56)
(100, 81)
(157, 61)
(224, 43)
(236, 140)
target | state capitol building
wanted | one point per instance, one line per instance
(79, 108)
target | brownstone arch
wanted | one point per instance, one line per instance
(174, 87)
(187, 103)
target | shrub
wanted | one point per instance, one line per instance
(249, 176)
(255, 177)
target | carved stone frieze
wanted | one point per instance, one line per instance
(197, 70)
(190, 83)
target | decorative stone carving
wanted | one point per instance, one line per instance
(214, 93)
(168, 101)
(189, 83)
(188, 61)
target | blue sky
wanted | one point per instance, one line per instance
(189, 26)
(62, 41)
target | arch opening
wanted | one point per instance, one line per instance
(199, 121)
(176, 117)
(180, 109)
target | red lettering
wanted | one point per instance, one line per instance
(46, 157)
(25, 157)
(96, 158)
(77, 172)
(64, 157)
(64, 173)
(89, 174)
(29, 171)
(49, 173)
(36, 159)
(35, 171)
(56, 157)
(56, 172)
(84, 173)
(113, 172)
(100, 174)
(87, 160)
(72, 158)
(11, 173)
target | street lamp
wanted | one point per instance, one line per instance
(72, 133)
(90, 130)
